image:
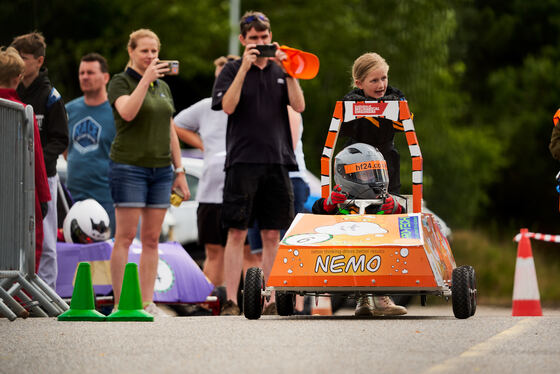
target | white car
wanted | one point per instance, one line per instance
(179, 223)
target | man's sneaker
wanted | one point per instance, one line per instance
(384, 306)
(270, 310)
(155, 311)
(364, 306)
(229, 308)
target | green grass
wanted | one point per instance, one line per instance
(494, 263)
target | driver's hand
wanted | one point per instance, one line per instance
(336, 197)
(390, 206)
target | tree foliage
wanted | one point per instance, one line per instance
(478, 76)
(511, 54)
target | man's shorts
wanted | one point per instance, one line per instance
(138, 187)
(258, 191)
(301, 194)
(209, 223)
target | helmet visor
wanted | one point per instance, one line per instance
(368, 172)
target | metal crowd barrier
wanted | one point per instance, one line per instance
(22, 292)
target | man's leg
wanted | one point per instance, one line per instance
(233, 261)
(48, 268)
(214, 263)
(252, 253)
(271, 241)
(251, 259)
(239, 190)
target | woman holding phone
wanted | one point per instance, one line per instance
(145, 160)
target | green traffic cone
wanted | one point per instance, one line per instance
(82, 304)
(130, 304)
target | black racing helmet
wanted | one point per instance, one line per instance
(361, 171)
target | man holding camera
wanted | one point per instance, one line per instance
(255, 92)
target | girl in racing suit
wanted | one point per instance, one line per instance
(368, 181)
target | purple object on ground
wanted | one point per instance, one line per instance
(179, 278)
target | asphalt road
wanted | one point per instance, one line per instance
(427, 340)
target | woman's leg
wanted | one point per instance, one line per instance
(127, 221)
(152, 218)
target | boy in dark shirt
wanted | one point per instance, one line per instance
(36, 90)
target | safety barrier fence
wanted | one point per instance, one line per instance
(22, 292)
(539, 236)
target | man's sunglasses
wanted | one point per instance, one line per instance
(254, 18)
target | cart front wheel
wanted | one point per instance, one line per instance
(463, 292)
(252, 293)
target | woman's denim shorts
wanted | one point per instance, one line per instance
(138, 187)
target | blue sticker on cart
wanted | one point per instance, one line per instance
(409, 227)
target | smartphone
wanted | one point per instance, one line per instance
(266, 50)
(173, 67)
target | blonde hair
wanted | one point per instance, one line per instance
(135, 36)
(222, 60)
(11, 65)
(139, 34)
(366, 63)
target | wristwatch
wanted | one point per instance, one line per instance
(180, 169)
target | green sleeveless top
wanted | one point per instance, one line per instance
(144, 141)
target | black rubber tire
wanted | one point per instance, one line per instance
(252, 297)
(474, 291)
(461, 292)
(285, 303)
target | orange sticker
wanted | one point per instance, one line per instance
(362, 166)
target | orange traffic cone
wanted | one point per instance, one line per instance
(300, 64)
(526, 297)
(322, 306)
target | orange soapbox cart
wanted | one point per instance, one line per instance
(349, 255)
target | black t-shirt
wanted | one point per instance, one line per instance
(379, 133)
(258, 132)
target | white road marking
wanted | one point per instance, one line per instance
(485, 347)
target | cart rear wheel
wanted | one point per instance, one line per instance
(252, 293)
(472, 285)
(285, 303)
(462, 297)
